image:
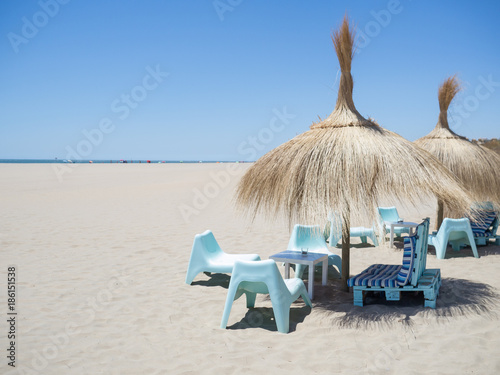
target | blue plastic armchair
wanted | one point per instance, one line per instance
(312, 238)
(251, 278)
(390, 214)
(207, 256)
(457, 232)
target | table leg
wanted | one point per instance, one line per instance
(325, 271)
(392, 235)
(311, 280)
(287, 270)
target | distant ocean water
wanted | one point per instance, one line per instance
(39, 161)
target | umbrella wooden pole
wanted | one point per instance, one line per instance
(346, 243)
(440, 211)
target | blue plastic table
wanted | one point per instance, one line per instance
(406, 224)
(309, 259)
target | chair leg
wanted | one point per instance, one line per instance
(305, 298)
(374, 239)
(335, 260)
(231, 293)
(430, 298)
(363, 239)
(250, 299)
(480, 241)
(440, 250)
(473, 245)
(191, 274)
(299, 270)
(392, 295)
(358, 297)
(282, 316)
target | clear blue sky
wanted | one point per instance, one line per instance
(231, 79)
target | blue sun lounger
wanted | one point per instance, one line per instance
(486, 228)
(411, 276)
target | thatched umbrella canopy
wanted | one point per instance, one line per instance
(476, 167)
(346, 164)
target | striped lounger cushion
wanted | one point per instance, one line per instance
(388, 276)
(481, 234)
(479, 228)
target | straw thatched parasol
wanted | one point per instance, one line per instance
(476, 167)
(345, 164)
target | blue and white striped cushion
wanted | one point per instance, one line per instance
(485, 221)
(380, 275)
(388, 276)
(481, 234)
(404, 275)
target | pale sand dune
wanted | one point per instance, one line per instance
(102, 258)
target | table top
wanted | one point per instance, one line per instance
(297, 255)
(402, 223)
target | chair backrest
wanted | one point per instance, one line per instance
(420, 261)
(452, 229)
(205, 245)
(307, 236)
(455, 224)
(388, 213)
(405, 273)
(258, 276)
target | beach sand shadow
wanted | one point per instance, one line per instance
(215, 279)
(263, 317)
(457, 298)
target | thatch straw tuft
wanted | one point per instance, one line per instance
(345, 113)
(477, 168)
(447, 91)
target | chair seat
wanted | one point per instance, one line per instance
(294, 285)
(361, 232)
(224, 263)
(381, 275)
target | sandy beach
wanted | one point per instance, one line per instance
(101, 254)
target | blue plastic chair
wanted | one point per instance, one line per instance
(391, 214)
(335, 232)
(457, 232)
(311, 237)
(263, 277)
(207, 256)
